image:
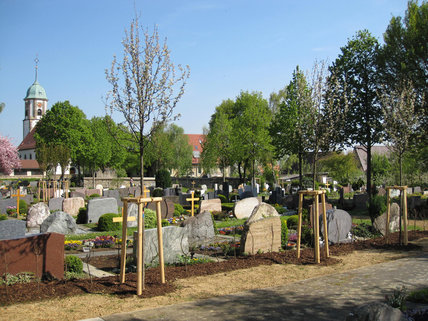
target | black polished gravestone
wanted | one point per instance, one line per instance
(225, 191)
(12, 229)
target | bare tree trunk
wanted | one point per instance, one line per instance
(300, 171)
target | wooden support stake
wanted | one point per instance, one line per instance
(124, 239)
(317, 231)
(324, 220)
(404, 208)
(388, 214)
(299, 224)
(160, 241)
(140, 250)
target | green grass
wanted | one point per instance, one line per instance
(410, 227)
(419, 296)
(230, 222)
(93, 235)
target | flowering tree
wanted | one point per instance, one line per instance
(145, 86)
(8, 156)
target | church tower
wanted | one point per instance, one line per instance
(36, 104)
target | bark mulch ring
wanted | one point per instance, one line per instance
(36, 291)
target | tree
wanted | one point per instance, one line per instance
(400, 120)
(355, 71)
(9, 159)
(182, 151)
(218, 146)
(67, 125)
(341, 167)
(290, 125)
(145, 87)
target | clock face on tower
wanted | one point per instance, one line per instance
(39, 104)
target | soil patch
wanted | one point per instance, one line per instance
(37, 291)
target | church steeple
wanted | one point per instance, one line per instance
(36, 103)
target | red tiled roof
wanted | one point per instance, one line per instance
(195, 140)
(29, 164)
(29, 142)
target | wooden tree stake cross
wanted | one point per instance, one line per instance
(17, 195)
(316, 219)
(192, 199)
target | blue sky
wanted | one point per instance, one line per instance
(229, 45)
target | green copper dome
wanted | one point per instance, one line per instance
(36, 91)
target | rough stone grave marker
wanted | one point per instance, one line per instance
(12, 229)
(59, 222)
(244, 208)
(37, 214)
(339, 224)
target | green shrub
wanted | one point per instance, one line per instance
(214, 224)
(292, 221)
(219, 215)
(418, 296)
(23, 207)
(3, 217)
(105, 222)
(377, 206)
(284, 232)
(232, 196)
(73, 264)
(163, 178)
(165, 222)
(222, 198)
(280, 209)
(227, 206)
(82, 216)
(306, 237)
(149, 218)
(92, 196)
(179, 209)
(158, 192)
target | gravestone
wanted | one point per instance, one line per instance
(261, 211)
(261, 235)
(394, 193)
(55, 204)
(346, 189)
(93, 191)
(417, 189)
(133, 212)
(183, 197)
(115, 194)
(5, 203)
(394, 220)
(246, 194)
(99, 187)
(169, 191)
(75, 194)
(204, 187)
(225, 189)
(291, 201)
(59, 222)
(124, 192)
(328, 207)
(167, 208)
(37, 214)
(174, 199)
(339, 224)
(245, 207)
(213, 205)
(175, 244)
(210, 195)
(200, 229)
(72, 205)
(12, 229)
(251, 189)
(360, 201)
(101, 206)
(276, 196)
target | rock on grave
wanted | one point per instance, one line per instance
(183, 197)
(376, 311)
(12, 229)
(213, 205)
(72, 205)
(245, 207)
(200, 229)
(339, 224)
(394, 220)
(55, 204)
(115, 194)
(262, 211)
(262, 235)
(167, 208)
(59, 222)
(101, 206)
(175, 244)
(37, 214)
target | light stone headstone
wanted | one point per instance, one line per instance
(115, 194)
(99, 187)
(204, 187)
(11, 229)
(200, 229)
(417, 189)
(72, 205)
(213, 205)
(37, 213)
(394, 220)
(59, 222)
(339, 224)
(262, 235)
(55, 204)
(244, 208)
(100, 206)
(394, 193)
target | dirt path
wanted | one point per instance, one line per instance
(94, 305)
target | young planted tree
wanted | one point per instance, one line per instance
(400, 120)
(9, 159)
(145, 86)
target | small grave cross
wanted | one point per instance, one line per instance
(327, 184)
(192, 199)
(17, 195)
(193, 184)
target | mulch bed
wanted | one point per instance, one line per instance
(45, 290)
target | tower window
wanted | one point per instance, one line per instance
(26, 113)
(31, 156)
(25, 156)
(39, 112)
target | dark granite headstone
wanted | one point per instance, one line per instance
(12, 229)
(246, 195)
(417, 189)
(167, 208)
(183, 197)
(225, 191)
(339, 224)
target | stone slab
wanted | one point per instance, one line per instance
(263, 235)
(115, 194)
(101, 206)
(244, 208)
(55, 204)
(200, 229)
(72, 205)
(213, 205)
(394, 220)
(12, 229)
(167, 208)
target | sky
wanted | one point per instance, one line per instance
(230, 46)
